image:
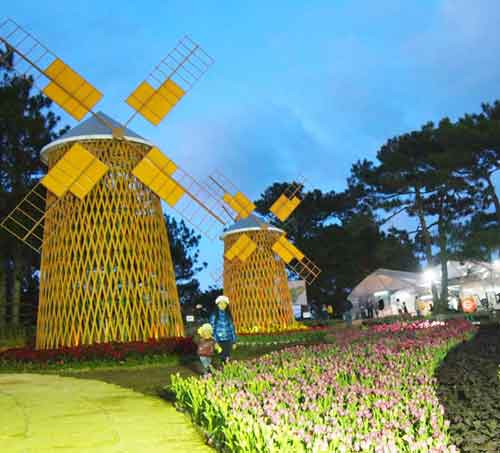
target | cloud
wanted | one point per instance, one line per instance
(256, 146)
(457, 55)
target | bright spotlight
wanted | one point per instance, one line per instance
(429, 277)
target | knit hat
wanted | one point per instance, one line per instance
(222, 299)
(205, 331)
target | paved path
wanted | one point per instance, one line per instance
(44, 413)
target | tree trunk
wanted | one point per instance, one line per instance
(427, 240)
(443, 256)
(493, 193)
(16, 290)
(3, 295)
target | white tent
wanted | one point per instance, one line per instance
(383, 280)
(464, 270)
(478, 279)
(394, 287)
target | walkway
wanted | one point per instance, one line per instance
(42, 413)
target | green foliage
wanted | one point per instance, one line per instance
(343, 238)
(312, 336)
(442, 176)
(184, 243)
(26, 125)
(146, 361)
(16, 336)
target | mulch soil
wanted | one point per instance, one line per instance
(469, 390)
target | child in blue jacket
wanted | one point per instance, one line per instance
(223, 326)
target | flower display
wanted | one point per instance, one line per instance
(407, 326)
(295, 326)
(369, 391)
(101, 351)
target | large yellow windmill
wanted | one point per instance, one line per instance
(256, 256)
(96, 217)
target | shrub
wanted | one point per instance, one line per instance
(101, 351)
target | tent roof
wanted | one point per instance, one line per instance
(459, 270)
(384, 280)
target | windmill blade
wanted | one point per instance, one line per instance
(240, 206)
(235, 202)
(25, 221)
(77, 172)
(241, 249)
(197, 205)
(288, 201)
(55, 78)
(296, 260)
(169, 81)
(235, 256)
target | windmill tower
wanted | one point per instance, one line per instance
(258, 287)
(106, 273)
(96, 218)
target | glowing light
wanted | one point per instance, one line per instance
(429, 277)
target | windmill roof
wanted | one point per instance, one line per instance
(92, 128)
(251, 223)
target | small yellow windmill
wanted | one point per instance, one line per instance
(258, 285)
(256, 255)
(96, 217)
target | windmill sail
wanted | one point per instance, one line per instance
(182, 193)
(241, 207)
(77, 172)
(29, 57)
(169, 81)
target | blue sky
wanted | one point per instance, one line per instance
(297, 87)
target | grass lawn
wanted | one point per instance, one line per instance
(150, 379)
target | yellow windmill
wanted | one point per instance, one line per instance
(256, 255)
(96, 217)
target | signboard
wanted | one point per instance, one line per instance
(469, 305)
(298, 292)
(306, 315)
(189, 318)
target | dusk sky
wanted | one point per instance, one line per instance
(298, 87)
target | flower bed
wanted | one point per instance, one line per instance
(103, 352)
(377, 394)
(295, 326)
(313, 334)
(406, 326)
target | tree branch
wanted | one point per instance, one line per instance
(399, 211)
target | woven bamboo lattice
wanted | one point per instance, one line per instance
(258, 288)
(107, 274)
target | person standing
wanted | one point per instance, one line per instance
(206, 346)
(369, 307)
(348, 312)
(222, 324)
